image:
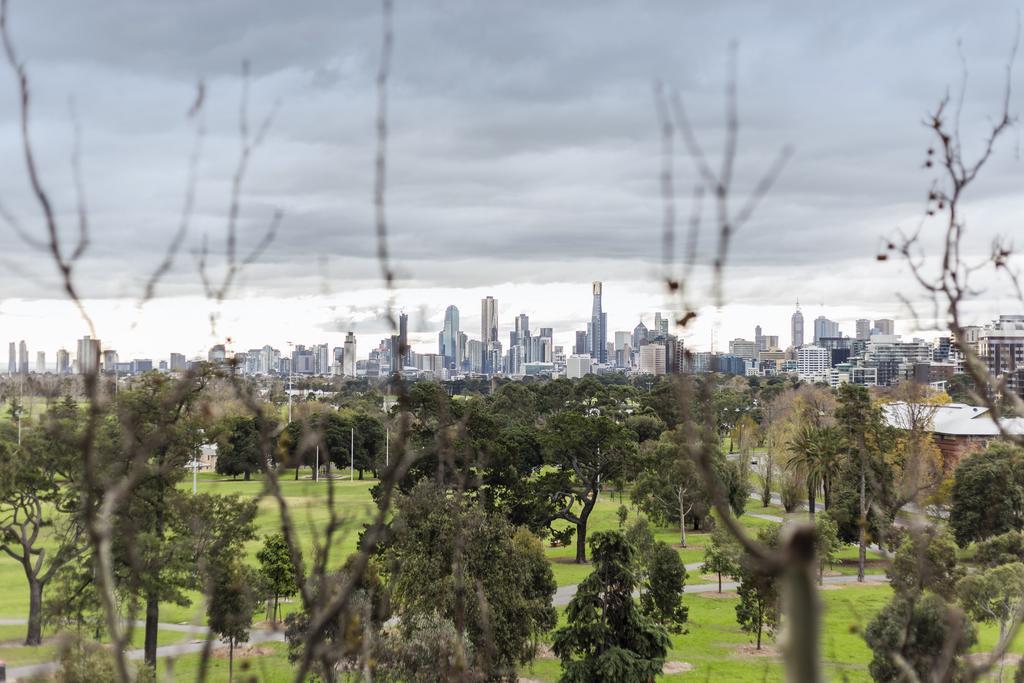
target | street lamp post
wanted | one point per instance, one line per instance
(352, 454)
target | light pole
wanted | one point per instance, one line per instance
(195, 475)
(387, 448)
(316, 472)
(291, 370)
(352, 454)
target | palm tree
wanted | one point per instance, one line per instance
(816, 452)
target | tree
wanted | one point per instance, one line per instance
(1001, 549)
(606, 637)
(231, 604)
(917, 628)
(661, 595)
(239, 448)
(826, 542)
(473, 568)
(588, 450)
(276, 571)
(39, 523)
(758, 608)
(925, 559)
(670, 487)
(815, 453)
(722, 554)
(988, 494)
(994, 594)
(426, 648)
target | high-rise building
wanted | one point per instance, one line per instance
(758, 345)
(12, 359)
(89, 355)
(178, 363)
(448, 339)
(863, 329)
(578, 365)
(581, 345)
(349, 356)
(639, 335)
(488, 331)
(109, 361)
(796, 324)
(1002, 349)
(322, 354)
(813, 363)
(217, 354)
(652, 359)
(23, 358)
(405, 349)
(63, 362)
(885, 326)
(660, 325)
(41, 362)
(743, 348)
(522, 331)
(823, 327)
(599, 327)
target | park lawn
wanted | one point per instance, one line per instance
(266, 662)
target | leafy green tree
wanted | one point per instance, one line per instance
(1001, 549)
(826, 542)
(816, 452)
(39, 499)
(276, 571)
(988, 494)
(722, 554)
(239, 448)
(994, 594)
(758, 608)
(587, 450)
(231, 604)
(463, 563)
(926, 559)
(917, 628)
(425, 649)
(369, 443)
(661, 595)
(606, 636)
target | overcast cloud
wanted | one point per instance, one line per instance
(523, 151)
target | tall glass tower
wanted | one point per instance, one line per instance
(599, 328)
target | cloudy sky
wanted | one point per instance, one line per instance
(523, 160)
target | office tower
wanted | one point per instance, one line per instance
(40, 362)
(580, 346)
(89, 355)
(796, 324)
(769, 342)
(178, 363)
(350, 355)
(578, 365)
(823, 327)
(448, 340)
(322, 359)
(758, 343)
(743, 348)
(1002, 349)
(812, 362)
(403, 338)
(488, 331)
(863, 329)
(461, 355)
(218, 354)
(522, 330)
(599, 329)
(475, 355)
(652, 359)
(639, 335)
(141, 365)
(660, 325)
(12, 359)
(885, 326)
(109, 362)
(622, 339)
(63, 362)
(22, 358)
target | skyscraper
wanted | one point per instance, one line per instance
(63, 362)
(12, 359)
(823, 327)
(522, 331)
(885, 326)
(447, 341)
(349, 359)
(758, 344)
(639, 335)
(863, 329)
(89, 355)
(23, 358)
(404, 350)
(599, 328)
(797, 327)
(40, 362)
(488, 331)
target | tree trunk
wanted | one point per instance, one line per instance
(273, 618)
(231, 659)
(821, 573)
(719, 582)
(247, 475)
(581, 541)
(682, 517)
(759, 629)
(811, 495)
(35, 613)
(152, 627)
(360, 474)
(296, 473)
(863, 540)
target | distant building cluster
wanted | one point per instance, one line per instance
(874, 356)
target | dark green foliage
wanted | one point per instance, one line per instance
(277, 572)
(606, 637)
(758, 608)
(722, 554)
(1001, 549)
(988, 494)
(926, 559)
(916, 627)
(427, 648)
(455, 559)
(231, 603)
(239, 448)
(661, 595)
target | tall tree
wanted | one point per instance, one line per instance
(722, 554)
(231, 605)
(606, 637)
(988, 494)
(240, 447)
(758, 608)
(587, 450)
(39, 523)
(815, 453)
(276, 571)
